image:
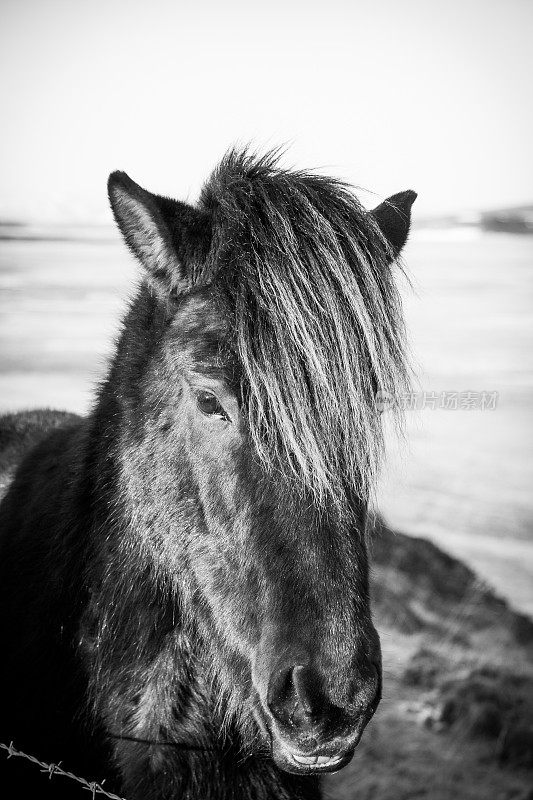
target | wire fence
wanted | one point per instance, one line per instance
(56, 769)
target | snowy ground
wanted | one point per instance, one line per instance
(464, 477)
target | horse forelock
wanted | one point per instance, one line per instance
(317, 324)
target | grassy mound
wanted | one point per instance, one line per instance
(455, 722)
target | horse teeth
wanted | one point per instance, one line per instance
(312, 760)
(306, 759)
(328, 759)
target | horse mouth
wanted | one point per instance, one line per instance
(289, 757)
(299, 763)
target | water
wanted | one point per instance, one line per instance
(464, 477)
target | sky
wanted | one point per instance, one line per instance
(389, 95)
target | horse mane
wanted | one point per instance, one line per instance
(318, 326)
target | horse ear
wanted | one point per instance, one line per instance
(394, 219)
(164, 234)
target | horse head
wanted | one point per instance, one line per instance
(267, 320)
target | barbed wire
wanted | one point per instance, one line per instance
(56, 769)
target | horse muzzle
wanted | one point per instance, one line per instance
(310, 732)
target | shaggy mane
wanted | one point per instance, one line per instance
(318, 326)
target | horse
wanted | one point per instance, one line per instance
(183, 572)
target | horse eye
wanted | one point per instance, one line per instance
(209, 405)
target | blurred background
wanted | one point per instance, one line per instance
(431, 96)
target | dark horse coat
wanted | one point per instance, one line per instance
(183, 576)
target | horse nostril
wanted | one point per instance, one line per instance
(294, 696)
